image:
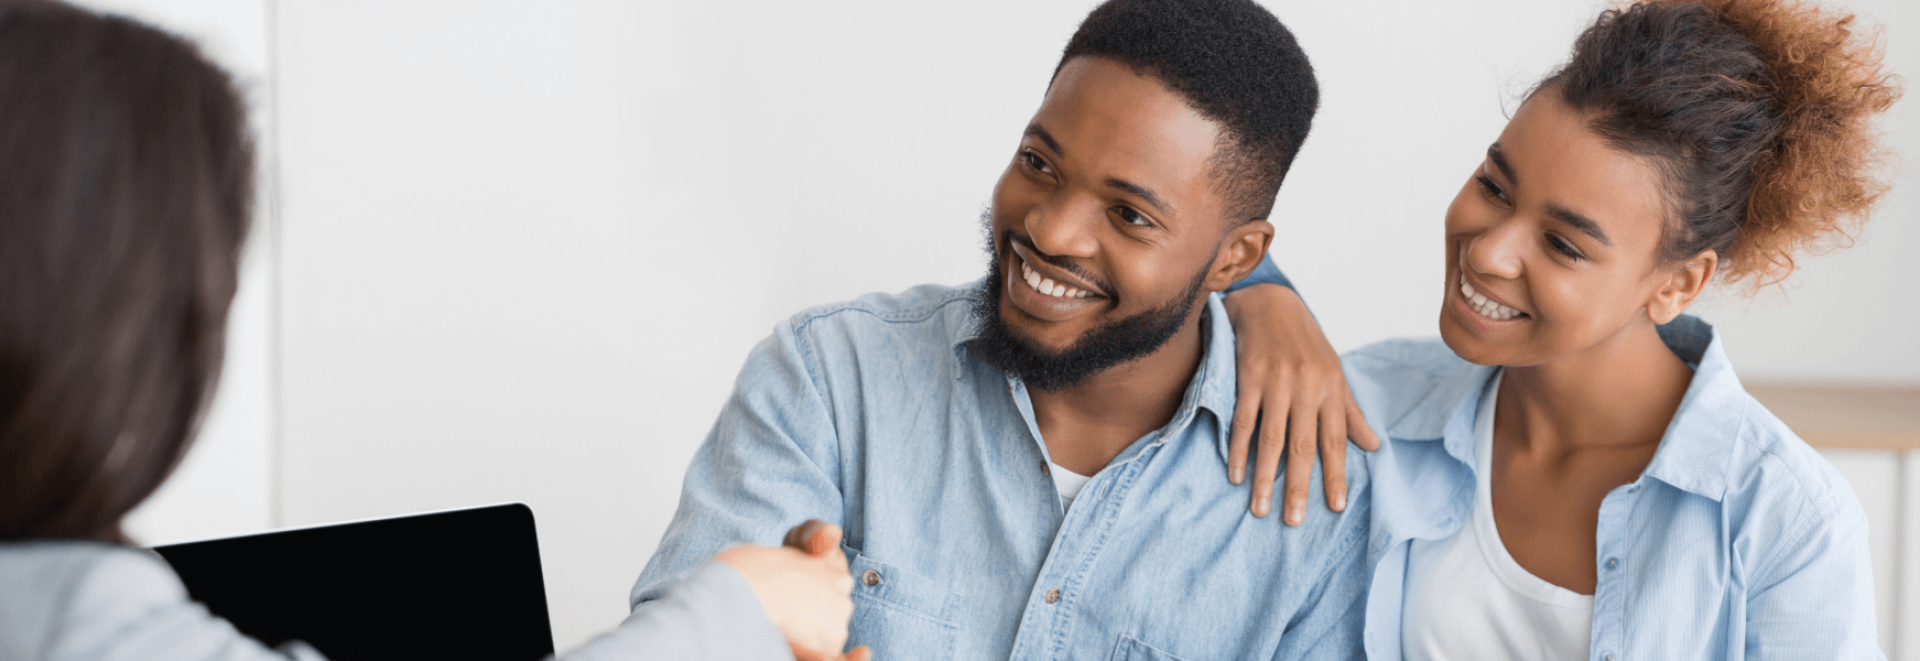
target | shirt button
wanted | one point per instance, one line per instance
(1613, 562)
(871, 578)
(1053, 595)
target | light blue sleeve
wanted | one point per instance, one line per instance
(1814, 599)
(1267, 273)
(81, 601)
(770, 463)
(711, 616)
(1331, 625)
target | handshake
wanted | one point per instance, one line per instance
(805, 587)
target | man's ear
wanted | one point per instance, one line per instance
(1239, 254)
(1688, 279)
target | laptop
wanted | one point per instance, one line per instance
(464, 584)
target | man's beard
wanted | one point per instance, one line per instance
(1110, 344)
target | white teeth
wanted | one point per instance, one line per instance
(1047, 286)
(1483, 305)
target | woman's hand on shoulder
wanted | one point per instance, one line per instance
(1290, 377)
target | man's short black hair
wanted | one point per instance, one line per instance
(1235, 64)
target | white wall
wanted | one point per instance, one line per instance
(525, 245)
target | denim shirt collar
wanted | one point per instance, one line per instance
(1213, 387)
(1695, 454)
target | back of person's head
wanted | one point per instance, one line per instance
(1235, 64)
(126, 191)
(1758, 113)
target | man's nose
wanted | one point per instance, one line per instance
(1065, 227)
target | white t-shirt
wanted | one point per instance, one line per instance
(1068, 483)
(1468, 599)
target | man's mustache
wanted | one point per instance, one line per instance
(1101, 286)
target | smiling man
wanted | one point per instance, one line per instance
(1030, 467)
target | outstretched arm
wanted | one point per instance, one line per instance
(1289, 377)
(751, 603)
(771, 461)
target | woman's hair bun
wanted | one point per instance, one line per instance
(1760, 112)
(1825, 172)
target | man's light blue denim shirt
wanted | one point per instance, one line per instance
(874, 415)
(1737, 541)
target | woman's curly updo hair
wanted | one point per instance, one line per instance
(1757, 111)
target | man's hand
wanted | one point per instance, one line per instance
(1289, 376)
(805, 588)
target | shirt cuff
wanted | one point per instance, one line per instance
(713, 615)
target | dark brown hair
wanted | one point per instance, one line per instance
(1758, 112)
(1235, 64)
(126, 191)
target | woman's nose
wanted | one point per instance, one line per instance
(1496, 251)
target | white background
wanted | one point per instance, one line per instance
(517, 250)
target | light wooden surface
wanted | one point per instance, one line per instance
(1846, 416)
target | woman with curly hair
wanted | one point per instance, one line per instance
(1573, 470)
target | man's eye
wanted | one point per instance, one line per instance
(1131, 217)
(1034, 161)
(1486, 184)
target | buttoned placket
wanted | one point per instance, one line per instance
(1609, 588)
(1048, 619)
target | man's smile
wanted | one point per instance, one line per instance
(1049, 287)
(1046, 292)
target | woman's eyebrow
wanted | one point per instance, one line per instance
(1500, 161)
(1579, 222)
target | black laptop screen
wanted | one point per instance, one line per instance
(449, 585)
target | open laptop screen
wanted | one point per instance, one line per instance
(449, 585)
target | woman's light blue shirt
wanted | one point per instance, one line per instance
(1737, 541)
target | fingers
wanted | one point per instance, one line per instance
(801, 653)
(1246, 417)
(1273, 441)
(825, 540)
(1333, 454)
(1301, 425)
(1357, 425)
(861, 653)
(798, 536)
(815, 537)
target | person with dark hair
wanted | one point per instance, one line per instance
(1572, 469)
(126, 193)
(1029, 466)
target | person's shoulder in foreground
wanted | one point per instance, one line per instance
(1740, 535)
(75, 600)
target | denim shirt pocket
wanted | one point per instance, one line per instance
(1134, 650)
(898, 613)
